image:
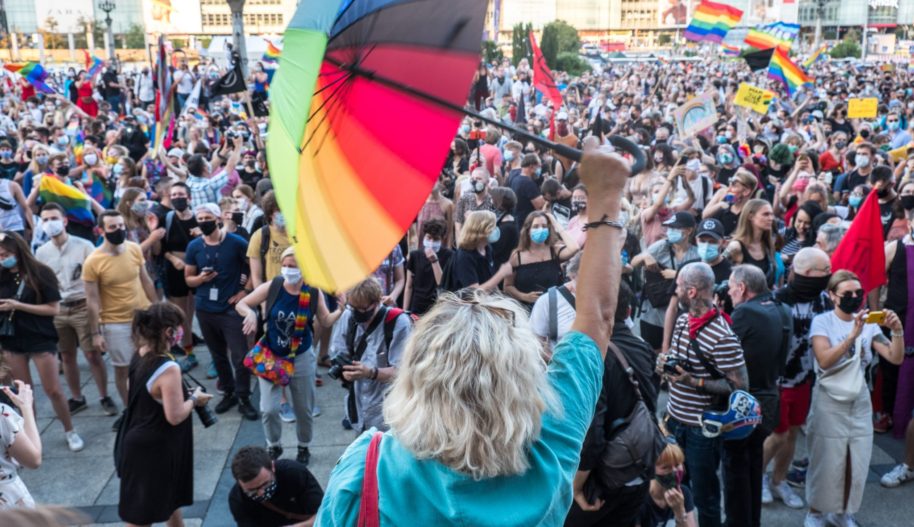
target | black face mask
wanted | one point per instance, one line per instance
(207, 227)
(808, 288)
(63, 170)
(578, 206)
(362, 316)
(237, 217)
(117, 237)
(907, 202)
(180, 204)
(850, 304)
(268, 492)
(883, 192)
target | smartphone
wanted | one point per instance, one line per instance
(207, 270)
(875, 317)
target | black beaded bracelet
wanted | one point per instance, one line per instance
(604, 221)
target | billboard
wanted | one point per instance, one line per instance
(66, 17)
(678, 13)
(675, 13)
(172, 16)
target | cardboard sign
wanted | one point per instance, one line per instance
(696, 115)
(755, 98)
(862, 108)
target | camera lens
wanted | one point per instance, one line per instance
(207, 417)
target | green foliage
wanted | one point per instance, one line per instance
(520, 43)
(558, 37)
(664, 39)
(491, 53)
(849, 47)
(134, 37)
(571, 63)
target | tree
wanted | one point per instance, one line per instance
(134, 37)
(848, 47)
(558, 37)
(572, 63)
(491, 53)
(664, 39)
(52, 39)
(520, 43)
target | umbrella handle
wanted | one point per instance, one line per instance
(619, 142)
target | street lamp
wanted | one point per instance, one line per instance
(108, 6)
(820, 14)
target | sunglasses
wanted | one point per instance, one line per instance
(853, 294)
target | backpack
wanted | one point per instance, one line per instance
(634, 443)
(389, 320)
(264, 248)
(554, 309)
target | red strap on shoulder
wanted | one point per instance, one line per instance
(392, 314)
(369, 515)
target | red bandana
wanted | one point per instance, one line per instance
(695, 324)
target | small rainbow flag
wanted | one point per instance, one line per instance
(33, 72)
(712, 21)
(272, 53)
(79, 140)
(784, 70)
(730, 51)
(77, 204)
(100, 192)
(774, 35)
(816, 55)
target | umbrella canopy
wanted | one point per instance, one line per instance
(353, 163)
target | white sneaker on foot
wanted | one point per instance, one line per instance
(815, 519)
(74, 442)
(766, 490)
(785, 493)
(842, 520)
(897, 476)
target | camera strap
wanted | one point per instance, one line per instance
(357, 350)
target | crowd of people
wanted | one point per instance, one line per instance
(538, 308)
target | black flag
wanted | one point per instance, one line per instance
(759, 60)
(233, 81)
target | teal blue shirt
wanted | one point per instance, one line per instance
(425, 492)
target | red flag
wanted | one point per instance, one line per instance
(542, 76)
(861, 250)
(552, 126)
(88, 60)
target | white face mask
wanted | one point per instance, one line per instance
(52, 227)
(433, 245)
(91, 159)
(291, 275)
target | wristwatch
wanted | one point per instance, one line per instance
(193, 397)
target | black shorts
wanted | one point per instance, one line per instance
(175, 285)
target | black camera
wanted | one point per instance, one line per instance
(207, 416)
(670, 366)
(336, 366)
(722, 292)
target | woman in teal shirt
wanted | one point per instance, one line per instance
(482, 432)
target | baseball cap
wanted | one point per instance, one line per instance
(711, 227)
(681, 220)
(562, 116)
(175, 152)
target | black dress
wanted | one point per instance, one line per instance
(538, 276)
(156, 460)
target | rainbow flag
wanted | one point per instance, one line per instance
(711, 21)
(34, 73)
(774, 35)
(77, 204)
(78, 140)
(730, 51)
(816, 55)
(784, 70)
(272, 53)
(100, 192)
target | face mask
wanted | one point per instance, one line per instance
(539, 235)
(63, 170)
(117, 237)
(91, 159)
(465, 129)
(291, 275)
(268, 493)
(177, 337)
(279, 220)
(63, 140)
(9, 262)
(433, 245)
(118, 169)
(658, 158)
(893, 126)
(808, 288)
(850, 304)
(6, 154)
(478, 187)
(883, 192)
(52, 227)
(721, 139)
(668, 481)
(42, 160)
(362, 316)
(509, 155)
(863, 161)
(237, 217)
(495, 235)
(693, 165)
(840, 144)
(242, 203)
(578, 206)
(708, 252)
(674, 235)
(725, 159)
(855, 201)
(539, 172)
(207, 227)
(180, 204)
(907, 202)
(864, 133)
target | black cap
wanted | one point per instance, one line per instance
(681, 220)
(711, 227)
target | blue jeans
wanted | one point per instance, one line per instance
(115, 102)
(702, 458)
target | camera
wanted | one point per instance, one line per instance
(336, 366)
(670, 366)
(722, 292)
(207, 416)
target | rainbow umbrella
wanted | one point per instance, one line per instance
(353, 163)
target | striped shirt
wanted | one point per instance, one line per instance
(720, 346)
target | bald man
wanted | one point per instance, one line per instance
(805, 296)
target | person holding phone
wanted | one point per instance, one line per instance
(668, 499)
(20, 444)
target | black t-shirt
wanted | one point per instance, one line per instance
(724, 175)
(654, 516)
(8, 170)
(470, 267)
(250, 178)
(178, 236)
(108, 77)
(722, 271)
(854, 179)
(526, 191)
(33, 333)
(297, 492)
(425, 289)
(728, 219)
(507, 242)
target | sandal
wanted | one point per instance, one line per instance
(324, 361)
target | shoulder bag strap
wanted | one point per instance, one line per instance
(566, 294)
(286, 514)
(629, 372)
(553, 314)
(713, 370)
(369, 513)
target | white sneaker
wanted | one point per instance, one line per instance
(897, 476)
(815, 519)
(766, 490)
(785, 493)
(842, 520)
(74, 442)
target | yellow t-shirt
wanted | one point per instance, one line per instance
(118, 277)
(278, 243)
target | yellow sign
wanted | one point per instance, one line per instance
(754, 98)
(862, 108)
